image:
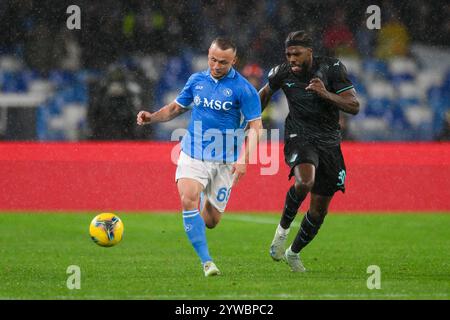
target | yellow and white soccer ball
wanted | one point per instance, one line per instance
(106, 229)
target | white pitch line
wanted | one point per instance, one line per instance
(248, 218)
(306, 296)
(262, 296)
(260, 220)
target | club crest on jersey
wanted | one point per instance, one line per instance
(227, 92)
(273, 71)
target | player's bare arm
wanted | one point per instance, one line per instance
(345, 101)
(265, 94)
(252, 139)
(166, 113)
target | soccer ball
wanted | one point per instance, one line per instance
(106, 229)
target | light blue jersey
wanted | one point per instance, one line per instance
(219, 110)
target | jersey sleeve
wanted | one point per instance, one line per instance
(185, 97)
(250, 103)
(275, 78)
(339, 78)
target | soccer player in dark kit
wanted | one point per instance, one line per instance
(317, 89)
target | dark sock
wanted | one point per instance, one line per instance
(291, 205)
(307, 232)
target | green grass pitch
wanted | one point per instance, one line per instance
(155, 260)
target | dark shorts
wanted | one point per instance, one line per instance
(329, 163)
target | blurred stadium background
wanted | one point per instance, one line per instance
(63, 93)
(61, 85)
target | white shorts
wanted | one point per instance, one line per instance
(215, 177)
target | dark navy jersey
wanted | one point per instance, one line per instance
(311, 118)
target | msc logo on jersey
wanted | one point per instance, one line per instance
(215, 104)
(227, 92)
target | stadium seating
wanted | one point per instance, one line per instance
(400, 98)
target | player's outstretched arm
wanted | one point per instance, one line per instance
(264, 95)
(166, 113)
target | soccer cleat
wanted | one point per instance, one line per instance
(210, 269)
(277, 246)
(293, 260)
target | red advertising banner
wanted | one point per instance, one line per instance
(141, 177)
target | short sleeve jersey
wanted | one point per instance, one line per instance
(219, 109)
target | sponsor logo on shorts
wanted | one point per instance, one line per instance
(293, 157)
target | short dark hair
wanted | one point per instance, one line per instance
(301, 37)
(224, 43)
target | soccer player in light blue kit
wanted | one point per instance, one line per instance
(222, 102)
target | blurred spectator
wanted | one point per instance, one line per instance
(67, 50)
(444, 31)
(255, 75)
(393, 38)
(338, 38)
(39, 54)
(365, 39)
(266, 46)
(113, 105)
(444, 135)
(102, 39)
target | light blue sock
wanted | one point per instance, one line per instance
(195, 229)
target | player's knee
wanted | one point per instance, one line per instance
(318, 215)
(304, 186)
(189, 201)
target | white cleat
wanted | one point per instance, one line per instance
(277, 246)
(293, 260)
(210, 269)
